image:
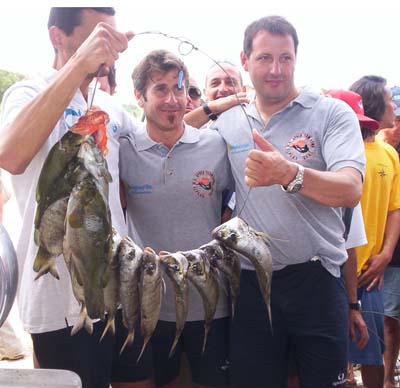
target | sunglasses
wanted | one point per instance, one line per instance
(194, 92)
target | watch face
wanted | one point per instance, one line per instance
(296, 187)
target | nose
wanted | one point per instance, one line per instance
(276, 67)
(171, 98)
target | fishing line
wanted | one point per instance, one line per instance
(95, 85)
(185, 47)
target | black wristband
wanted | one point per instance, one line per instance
(355, 306)
(207, 111)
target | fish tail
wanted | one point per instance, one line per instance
(109, 327)
(206, 330)
(173, 347)
(44, 263)
(146, 340)
(83, 321)
(129, 339)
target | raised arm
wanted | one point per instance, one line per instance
(197, 117)
(22, 138)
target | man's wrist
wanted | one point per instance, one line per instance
(208, 112)
(355, 306)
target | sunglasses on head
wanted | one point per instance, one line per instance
(194, 92)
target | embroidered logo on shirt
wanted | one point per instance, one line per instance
(300, 147)
(140, 189)
(203, 183)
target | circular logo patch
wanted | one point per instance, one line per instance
(300, 147)
(203, 183)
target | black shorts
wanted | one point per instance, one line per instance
(310, 322)
(124, 366)
(210, 369)
(81, 353)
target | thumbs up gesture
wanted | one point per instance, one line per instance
(266, 166)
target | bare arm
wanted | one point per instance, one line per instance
(377, 263)
(197, 117)
(356, 321)
(34, 123)
(266, 167)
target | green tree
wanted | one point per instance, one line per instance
(133, 110)
(7, 78)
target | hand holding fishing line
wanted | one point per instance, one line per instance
(266, 166)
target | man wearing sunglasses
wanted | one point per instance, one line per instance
(224, 89)
(193, 96)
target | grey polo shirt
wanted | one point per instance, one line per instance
(318, 132)
(174, 198)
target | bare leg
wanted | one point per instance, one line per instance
(392, 345)
(372, 375)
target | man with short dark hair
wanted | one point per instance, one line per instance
(36, 113)
(380, 204)
(308, 165)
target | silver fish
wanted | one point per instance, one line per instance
(130, 261)
(205, 279)
(111, 290)
(150, 295)
(228, 262)
(239, 236)
(176, 267)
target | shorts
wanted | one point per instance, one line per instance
(391, 292)
(125, 367)
(209, 369)
(310, 322)
(81, 353)
(371, 354)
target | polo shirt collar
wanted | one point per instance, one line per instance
(306, 99)
(144, 142)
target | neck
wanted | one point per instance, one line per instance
(267, 107)
(168, 138)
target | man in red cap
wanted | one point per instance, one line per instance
(380, 203)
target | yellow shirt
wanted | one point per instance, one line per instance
(381, 194)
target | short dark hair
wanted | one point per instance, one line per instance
(373, 90)
(67, 18)
(161, 61)
(275, 25)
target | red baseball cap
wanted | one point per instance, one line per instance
(354, 100)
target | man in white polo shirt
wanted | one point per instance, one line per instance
(174, 176)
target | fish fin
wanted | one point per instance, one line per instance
(164, 287)
(129, 339)
(44, 263)
(163, 253)
(146, 340)
(264, 237)
(109, 327)
(36, 237)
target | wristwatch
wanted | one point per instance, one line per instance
(207, 111)
(297, 183)
(355, 306)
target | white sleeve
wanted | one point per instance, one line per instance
(357, 236)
